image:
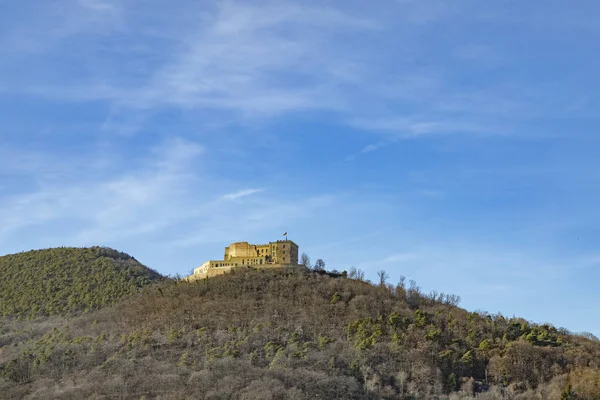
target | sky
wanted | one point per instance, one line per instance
(454, 143)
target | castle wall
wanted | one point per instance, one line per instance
(212, 272)
(244, 255)
(263, 250)
(245, 250)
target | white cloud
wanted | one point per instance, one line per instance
(371, 147)
(169, 195)
(227, 223)
(113, 207)
(473, 268)
(102, 6)
(42, 29)
(245, 59)
(241, 58)
(241, 193)
(260, 60)
(399, 258)
(410, 127)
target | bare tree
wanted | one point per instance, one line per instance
(360, 275)
(402, 282)
(401, 288)
(413, 294)
(433, 296)
(452, 300)
(383, 277)
(356, 273)
(305, 260)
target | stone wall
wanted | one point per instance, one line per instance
(212, 272)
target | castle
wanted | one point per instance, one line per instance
(279, 254)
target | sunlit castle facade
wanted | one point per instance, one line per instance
(279, 254)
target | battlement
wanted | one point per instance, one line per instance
(278, 254)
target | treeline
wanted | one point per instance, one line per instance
(294, 335)
(66, 280)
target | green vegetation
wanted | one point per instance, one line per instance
(293, 334)
(66, 280)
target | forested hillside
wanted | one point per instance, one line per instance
(65, 280)
(293, 335)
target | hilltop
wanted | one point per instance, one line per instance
(293, 334)
(66, 280)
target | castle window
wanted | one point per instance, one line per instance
(261, 261)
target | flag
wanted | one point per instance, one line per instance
(285, 234)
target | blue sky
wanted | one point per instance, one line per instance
(454, 143)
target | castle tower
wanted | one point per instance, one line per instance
(284, 252)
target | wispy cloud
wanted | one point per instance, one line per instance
(102, 6)
(43, 29)
(372, 147)
(484, 269)
(238, 60)
(112, 207)
(168, 196)
(222, 224)
(399, 258)
(408, 127)
(241, 193)
(262, 60)
(395, 130)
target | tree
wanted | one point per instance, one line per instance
(383, 277)
(305, 260)
(356, 273)
(319, 265)
(567, 394)
(589, 336)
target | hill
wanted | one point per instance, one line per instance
(66, 280)
(293, 335)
